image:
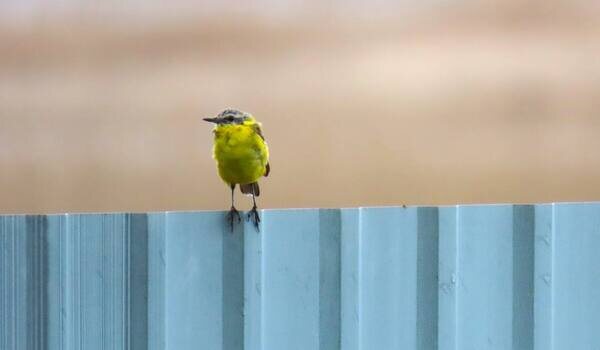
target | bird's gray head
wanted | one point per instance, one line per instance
(229, 116)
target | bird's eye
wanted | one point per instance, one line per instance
(229, 118)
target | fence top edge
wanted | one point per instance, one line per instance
(291, 210)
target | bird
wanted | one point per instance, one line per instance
(242, 157)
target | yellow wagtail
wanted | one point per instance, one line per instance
(242, 156)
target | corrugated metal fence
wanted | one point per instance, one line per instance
(460, 277)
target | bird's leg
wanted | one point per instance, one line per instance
(253, 214)
(233, 213)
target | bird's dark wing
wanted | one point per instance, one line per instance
(251, 189)
(259, 132)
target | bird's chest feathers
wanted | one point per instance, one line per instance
(241, 153)
(236, 141)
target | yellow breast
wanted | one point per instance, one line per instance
(240, 152)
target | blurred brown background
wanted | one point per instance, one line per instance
(362, 104)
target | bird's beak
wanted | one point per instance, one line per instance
(211, 120)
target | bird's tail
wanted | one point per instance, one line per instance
(251, 188)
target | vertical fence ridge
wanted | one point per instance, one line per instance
(253, 286)
(13, 285)
(329, 279)
(543, 291)
(350, 298)
(138, 277)
(427, 278)
(157, 265)
(523, 276)
(36, 266)
(233, 263)
(448, 277)
(54, 290)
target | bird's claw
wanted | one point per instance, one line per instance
(254, 217)
(231, 215)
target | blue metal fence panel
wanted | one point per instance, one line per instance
(457, 277)
(575, 278)
(387, 280)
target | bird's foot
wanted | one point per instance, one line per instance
(254, 217)
(231, 215)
